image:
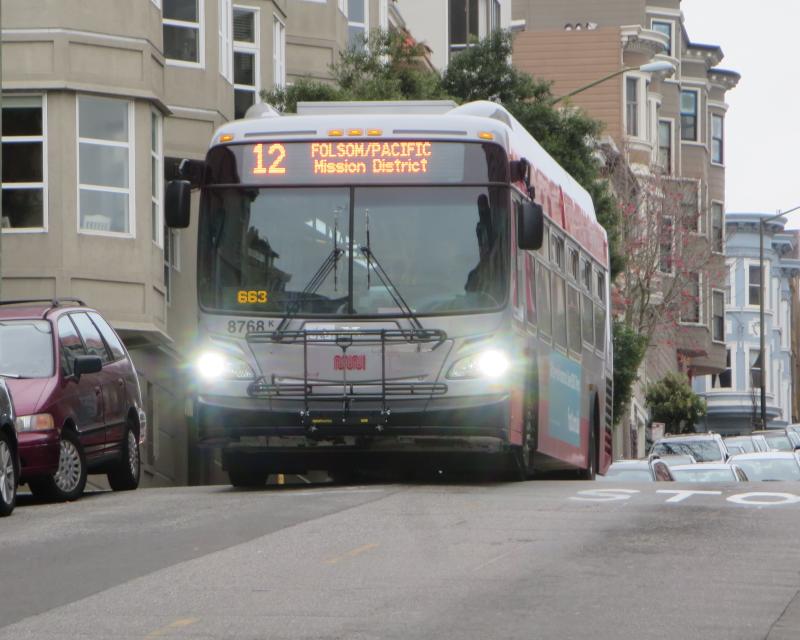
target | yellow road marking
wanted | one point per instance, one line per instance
(351, 554)
(179, 623)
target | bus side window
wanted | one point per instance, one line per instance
(530, 289)
(587, 308)
(559, 312)
(574, 319)
(543, 298)
(600, 314)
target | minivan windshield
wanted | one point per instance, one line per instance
(26, 348)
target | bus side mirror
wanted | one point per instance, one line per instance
(530, 226)
(177, 203)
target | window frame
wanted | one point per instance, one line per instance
(225, 41)
(248, 48)
(638, 105)
(201, 38)
(767, 269)
(130, 191)
(157, 177)
(359, 25)
(671, 24)
(14, 186)
(697, 120)
(279, 48)
(700, 306)
(721, 119)
(711, 236)
(714, 293)
(669, 169)
(749, 372)
(730, 356)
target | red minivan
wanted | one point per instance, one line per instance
(76, 394)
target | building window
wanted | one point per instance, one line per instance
(691, 220)
(755, 368)
(690, 309)
(632, 106)
(723, 380)
(246, 72)
(156, 176)
(754, 285)
(24, 163)
(665, 245)
(665, 146)
(357, 20)
(717, 227)
(171, 258)
(718, 316)
(104, 166)
(716, 139)
(493, 18)
(225, 46)
(182, 21)
(662, 26)
(278, 52)
(689, 115)
(463, 23)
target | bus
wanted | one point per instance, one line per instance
(395, 285)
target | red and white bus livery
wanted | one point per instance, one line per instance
(396, 284)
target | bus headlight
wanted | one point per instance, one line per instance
(491, 363)
(216, 365)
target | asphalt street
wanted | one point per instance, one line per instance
(546, 559)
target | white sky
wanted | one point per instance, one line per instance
(762, 126)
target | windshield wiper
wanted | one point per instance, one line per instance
(10, 375)
(313, 284)
(391, 288)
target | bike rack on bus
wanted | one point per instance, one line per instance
(322, 391)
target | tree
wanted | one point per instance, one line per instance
(629, 350)
(672, 401)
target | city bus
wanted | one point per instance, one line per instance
(400, 286)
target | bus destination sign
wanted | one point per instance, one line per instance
(346, 161)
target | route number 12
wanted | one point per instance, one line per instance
(278, 151)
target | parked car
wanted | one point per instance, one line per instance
(703, 447)
(770, 465)
(638, 471)
(9, 458)
(76, 394)
(746, 444)
(777, 439)
(708, 472)
(673, 460)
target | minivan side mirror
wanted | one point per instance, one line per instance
(86, 364)
(530, 226)
(177, 204)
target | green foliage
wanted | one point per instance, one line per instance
(672, 401)
(629, 350)
(389, 68)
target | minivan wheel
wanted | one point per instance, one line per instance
(125, 474)
(8, 476)
(68, 482)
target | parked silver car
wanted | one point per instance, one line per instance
(708, 472)
(771, 465)
(703, 447)
(638, 471)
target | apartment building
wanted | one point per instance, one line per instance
(734, 394)
(668, 127)
(101, 99)
(449, 26)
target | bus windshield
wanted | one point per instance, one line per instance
(445, 249)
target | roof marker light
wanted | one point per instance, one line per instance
(375, 132)
(335, 132)
(226, 137)
(485, 135)
(356, 132)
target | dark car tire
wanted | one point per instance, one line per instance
(126, 472)
(68, 482)
(9, 478)
(242, 479)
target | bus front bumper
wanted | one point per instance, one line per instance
(443, 422)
